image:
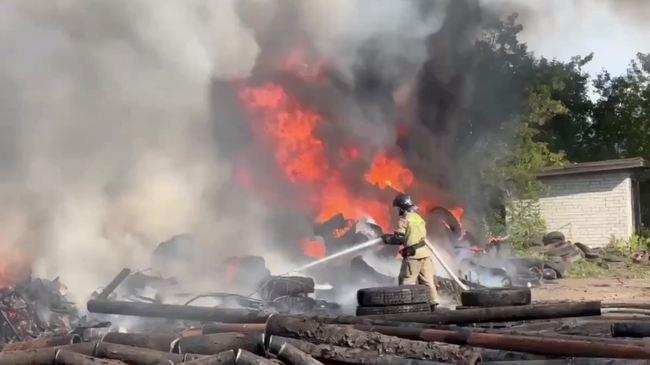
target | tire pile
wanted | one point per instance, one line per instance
(393, 300)
(559, 254)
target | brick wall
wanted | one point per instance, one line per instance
(590, 207)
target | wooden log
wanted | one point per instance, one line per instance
(43, 342)
(539, 345)
(26, 357)
(143, 340)
(84, 348)
(318, 333)
(110, 288)
(134, 355)
(358, 356)
(246, 358)
(192, 357)
(290, 355)
(73, 358)
(572, 361)
(172, 311)
(219, 342)
(96, 334)
(211, 328)
(635, 329)
(222, 358)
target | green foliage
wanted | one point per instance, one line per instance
(625, 248)
(530, 113)
(515, 98)
(585, 269)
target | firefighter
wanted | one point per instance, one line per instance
(417, 264)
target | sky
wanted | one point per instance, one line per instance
(613, 29)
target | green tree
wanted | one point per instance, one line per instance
(516, 96)
(621, 116)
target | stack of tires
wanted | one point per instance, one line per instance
(495, 297)
(393, 300)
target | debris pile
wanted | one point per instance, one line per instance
(35, 308)
(559, 253)
(495, 326)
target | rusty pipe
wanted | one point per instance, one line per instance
(546, 346)
(43, 342)
(232, 327)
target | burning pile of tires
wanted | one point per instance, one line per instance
(393, 300)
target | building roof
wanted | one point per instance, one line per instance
(636, 163)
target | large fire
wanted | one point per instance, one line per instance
(280, 123)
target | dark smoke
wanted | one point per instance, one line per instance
(121, 124)
(383, 78)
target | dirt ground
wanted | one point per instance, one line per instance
(605, 290)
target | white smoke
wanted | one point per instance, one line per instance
(106, 147)
(106, 140)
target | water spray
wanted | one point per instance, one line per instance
(358, 247)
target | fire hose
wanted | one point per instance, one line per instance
(445, 266)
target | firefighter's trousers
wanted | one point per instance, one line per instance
(419, 272)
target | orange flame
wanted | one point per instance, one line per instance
(281, 123)
(349, 223)
(314, 249)
(387, 172)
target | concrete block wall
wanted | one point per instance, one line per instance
(590, 208)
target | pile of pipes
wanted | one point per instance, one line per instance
(540, 334)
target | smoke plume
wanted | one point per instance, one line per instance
(105, 132)
(115, 138)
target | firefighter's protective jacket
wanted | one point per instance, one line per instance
(411, 230)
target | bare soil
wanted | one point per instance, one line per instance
(605, 290)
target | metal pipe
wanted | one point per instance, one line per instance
(172, 311)
(43, 342)
(468, 316)
(546, 346)
(232, 327)
(110, 288)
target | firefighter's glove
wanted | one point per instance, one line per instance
(386, 238)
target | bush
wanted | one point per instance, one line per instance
(621, 247)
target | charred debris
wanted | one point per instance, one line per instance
(288, 323)
(493, 326)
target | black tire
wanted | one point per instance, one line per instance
(552, 237)
(554, 259)
(289, 285)
(439, 213)
(393, 295)
(549, 274)
(559, 249)
(495, 297)
(589, 254)
(394, 309)
(559, 267)
(614, 258)
(573, 257)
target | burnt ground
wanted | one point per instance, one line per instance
(605, 290)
